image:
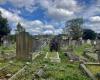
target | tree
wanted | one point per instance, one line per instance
(89, 34)
(4, 27)
(75, 28)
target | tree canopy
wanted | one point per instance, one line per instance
(4, 27)
(89, 34)
(75, 28)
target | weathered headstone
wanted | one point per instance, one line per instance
(23, 46)
(6, 41)
(88, 41)
(98, 49)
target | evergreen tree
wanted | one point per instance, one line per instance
(4, 27)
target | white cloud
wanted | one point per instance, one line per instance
(48, 32)
(16, 11)
(67, 4)
(49, 27)
(58, 31)
(60, 14)
(54, 32)
(57, 9)
(29, 5)
(90, 13)
(34, 27)
(92, 10)
(12, 17)
(94, 26)
(60, 9)
(2, 1)
(95, 19)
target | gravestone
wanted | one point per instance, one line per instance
(98, 49)
(6, 41)
(88, 41)
(24, 46)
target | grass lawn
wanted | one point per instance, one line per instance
(36, 64)
(65, 70)
(10, 49)
(79, 50)
(2, 64)
(55, 71)
(94, 68)
(12, 68)
(52, 55)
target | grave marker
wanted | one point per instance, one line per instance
(98, 49)
(24, 47)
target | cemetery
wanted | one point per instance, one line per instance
(72, 54)
(41, 59)
(69, 64)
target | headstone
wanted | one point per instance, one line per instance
(98, 49)
(88, 41)
(5, 43)
(23, 46)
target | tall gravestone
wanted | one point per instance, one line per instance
(24, 44)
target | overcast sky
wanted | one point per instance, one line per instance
(49, 16)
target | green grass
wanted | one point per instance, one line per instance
(46, 48)
(2, 64)
(10, 49)
(52, 55)
(94, 68)
(65, 70)
(79, 50)
(12, 68)
(36, 64)
(55, 71)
